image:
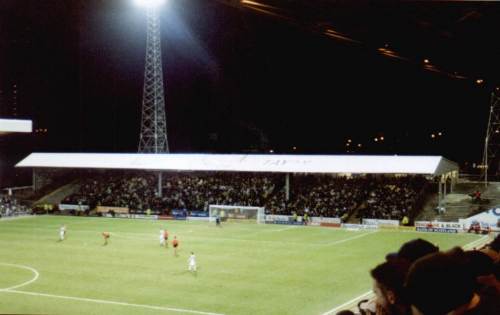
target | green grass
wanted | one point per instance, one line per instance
(243, 268)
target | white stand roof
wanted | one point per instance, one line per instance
(15, 125)
(361, 164)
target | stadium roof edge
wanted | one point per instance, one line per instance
(446, 166)
(280, 163)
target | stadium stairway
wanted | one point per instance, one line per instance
(353, 215)
(459, 204)
(56, 196)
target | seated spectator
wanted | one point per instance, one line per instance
(392, 198)
(388, 286)
(10, 206)
(413, 250)
(405, 221)
(476, 196)
(442, 283)
(495, 244)
(483, 268)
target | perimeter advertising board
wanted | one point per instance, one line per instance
(437, 226)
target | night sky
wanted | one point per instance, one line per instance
(244, 80)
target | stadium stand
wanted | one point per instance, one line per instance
(320, 195)
(393, 198)
(187, 191)
(327, 196)
(320, 185)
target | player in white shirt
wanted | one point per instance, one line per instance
(162, 237)
(62, 232)
(192, 262)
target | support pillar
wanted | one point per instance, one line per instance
(287, 187)
(160, 188)
(34, 180)
(440, 193)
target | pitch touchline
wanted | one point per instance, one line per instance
(473, 243)
(366, 294)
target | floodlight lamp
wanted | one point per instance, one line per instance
(150, 3)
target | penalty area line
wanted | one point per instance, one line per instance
(153, 307)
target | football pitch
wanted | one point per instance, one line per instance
(243, 268)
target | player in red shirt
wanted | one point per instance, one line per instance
(175, 244)
(106, 236)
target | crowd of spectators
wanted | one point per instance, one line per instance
(187, 191)
(392, 198)
(197, 192)
(327, 196)
(317, 195)
(420, 279)
(10, 206)
(134, 191)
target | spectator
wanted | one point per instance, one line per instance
(413, 250)
(388, 286)
(10, 206)
(483, 268)
(441, 283)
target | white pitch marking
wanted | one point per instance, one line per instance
(24, 283)
(473, 243)
(348, 239)
(336, 308)
(11, 290)
(153, 307)
(283, 229)
(17, 217)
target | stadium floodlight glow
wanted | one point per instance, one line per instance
(149, 3)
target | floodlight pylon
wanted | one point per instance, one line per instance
(153, 137)
(491, 152)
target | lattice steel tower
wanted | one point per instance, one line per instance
(491, 153)
(153, 138)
